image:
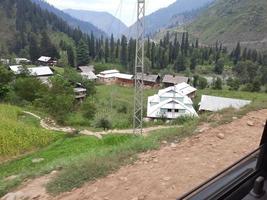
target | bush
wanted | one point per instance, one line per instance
(217, 84)
(122, 108)
(88, 109)
(104, 123)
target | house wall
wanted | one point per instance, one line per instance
(124, 82)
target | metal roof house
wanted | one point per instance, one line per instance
(187, 90)
(34, 71)
(151, 80)
(170, 103)
(45, 60)
(213, 103)
(89, 75)
(86, 69)
(22, 61)
(124, 79)
(108, 76)
(171, 80)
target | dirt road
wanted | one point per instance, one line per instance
(176, 168)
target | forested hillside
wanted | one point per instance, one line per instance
(230, 21)
(162, 17)
(85, 27)
(27, 27)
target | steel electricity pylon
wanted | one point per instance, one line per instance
(139, 69)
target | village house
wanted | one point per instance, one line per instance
(22, 61)
(150, 80)
(108, 76)
(80, 93)
(44, 60)
(170, 103)
(187, 90)
(213, 103)
(43, 73)
(171, 80)
(124, 79)
(4, 61)
(85, 69)
(87, 72)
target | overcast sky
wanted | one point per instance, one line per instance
(126, 11)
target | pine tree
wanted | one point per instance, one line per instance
(92, 46)
(237, 53)
(112, 49)
(124, 51)
(117, 53)
(71, 57)
(107, 50)
(153, 54)
(82, 53)
(34, 48)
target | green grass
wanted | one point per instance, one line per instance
(80, 159)
(109, 101)
(20, 134)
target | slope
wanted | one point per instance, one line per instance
(20, 133)
(85, 27)
(26, 22)
(161, 18)
(231, 21)
(102, 20)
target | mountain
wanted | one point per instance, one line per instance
(85, 27)
(161, 18)
(31, 30)
(103, 20)
(230, 21)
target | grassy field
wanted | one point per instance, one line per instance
(80, 159)
(20, 134)
(114, 102)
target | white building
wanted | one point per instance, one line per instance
(170, 103)
(22, 61)
(186, 89)
(213, 103)
(34, 71)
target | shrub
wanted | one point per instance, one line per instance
(104, 123)
(88, 109)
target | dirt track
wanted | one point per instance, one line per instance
(174, 169)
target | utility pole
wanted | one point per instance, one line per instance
(139, 69)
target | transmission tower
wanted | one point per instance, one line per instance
(139, 69)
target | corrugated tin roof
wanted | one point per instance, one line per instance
(34, 71)
(213, 103)
(89, 75)
(185, 88)
(149, 77)
(124, 76)
(174, 79)
(40, 71)
(113, 71)
(87, 69)
(79, 89)
(44, 59)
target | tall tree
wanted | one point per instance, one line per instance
(112, 49)
(82, 53)
(107, 50)
(124, 51)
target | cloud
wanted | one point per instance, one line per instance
(122, 9)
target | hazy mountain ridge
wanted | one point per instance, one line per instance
(161, 18)
(103, 20)
(85, 27)
(230, 21)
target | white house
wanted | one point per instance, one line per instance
(22, 60)
(186, 89)
(170, 103)
(213, 103)
(34, 71)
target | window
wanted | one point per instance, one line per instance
(169, 110)
(176, 110)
